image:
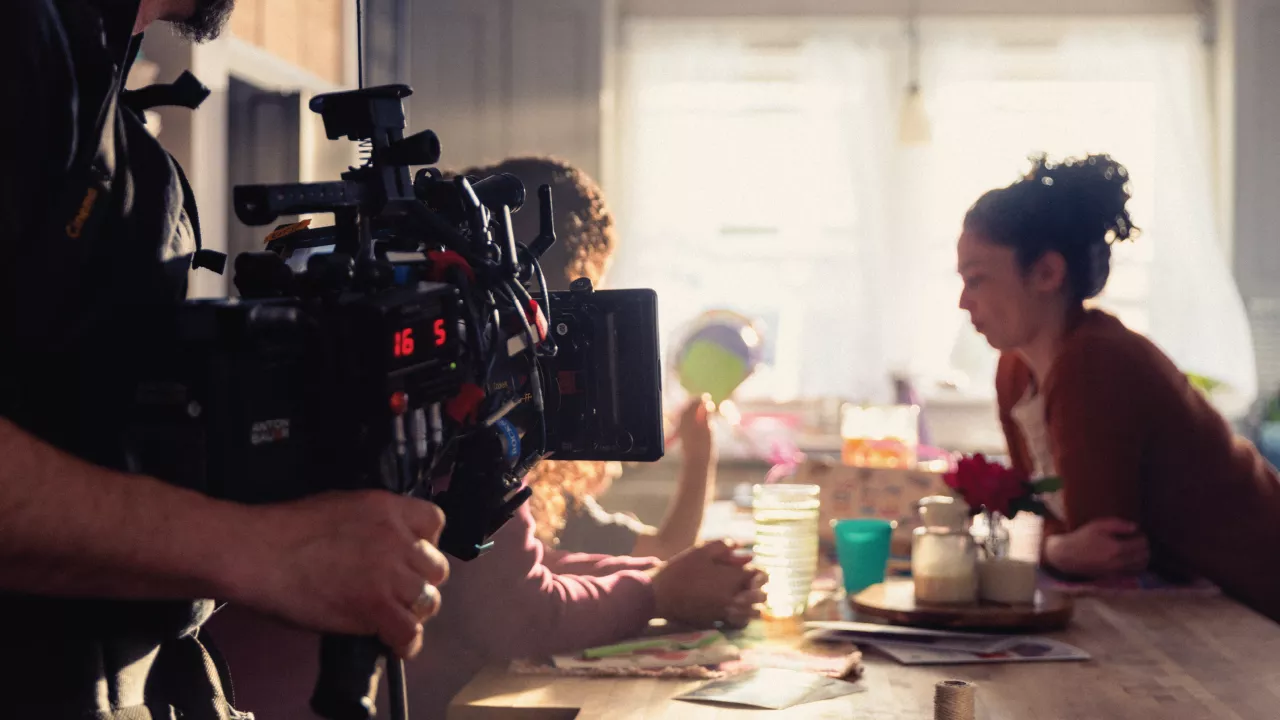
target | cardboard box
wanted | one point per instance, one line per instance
(859, 492)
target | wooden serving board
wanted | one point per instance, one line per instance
(895, 601)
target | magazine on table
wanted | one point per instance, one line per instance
(870, 633)
(920, 646)
(1011, 650)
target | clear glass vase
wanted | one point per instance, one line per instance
(991, 534)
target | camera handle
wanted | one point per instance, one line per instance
(346, 688)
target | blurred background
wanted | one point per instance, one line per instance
(806, 163)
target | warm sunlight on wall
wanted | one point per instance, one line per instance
(306, 33)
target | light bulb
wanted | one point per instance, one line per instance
(913, 120)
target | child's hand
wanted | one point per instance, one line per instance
(694, 430)
(704, 585)
(745, 605)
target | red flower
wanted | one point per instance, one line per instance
(986, 484)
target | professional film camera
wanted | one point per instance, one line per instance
(412, 346)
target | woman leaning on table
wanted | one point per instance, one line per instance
(1152, 475)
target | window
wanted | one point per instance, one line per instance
(762, 174)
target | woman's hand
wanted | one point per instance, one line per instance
(705, 585)
(1103, 547)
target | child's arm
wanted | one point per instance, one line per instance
(696, 488)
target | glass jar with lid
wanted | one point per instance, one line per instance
(944, 565)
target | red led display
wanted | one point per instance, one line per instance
(404, 343)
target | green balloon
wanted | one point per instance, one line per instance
(711, 369)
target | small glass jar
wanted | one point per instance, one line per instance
(944, 566)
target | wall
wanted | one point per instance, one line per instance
(284, 50)
(498, 78)
(1254, 31)
(308, 34)
(766, 8)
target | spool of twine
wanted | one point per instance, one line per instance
(953, 700)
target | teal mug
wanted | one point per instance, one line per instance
(862, 546)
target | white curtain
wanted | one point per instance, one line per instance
(754, 159)
(762, 173)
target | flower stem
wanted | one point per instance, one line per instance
(989, 543)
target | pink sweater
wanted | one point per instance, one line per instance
(518, 600)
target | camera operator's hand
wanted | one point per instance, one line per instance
(700, 585)
(359, 563)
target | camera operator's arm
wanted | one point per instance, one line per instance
(696, 488)
(352, 563)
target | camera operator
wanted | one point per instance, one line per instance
(99, 565)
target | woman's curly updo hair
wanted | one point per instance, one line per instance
(1075, 208)
(585, 232)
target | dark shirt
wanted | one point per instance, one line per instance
(72, 657)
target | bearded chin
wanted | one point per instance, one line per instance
(207, 21)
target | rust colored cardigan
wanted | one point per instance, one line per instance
(1131, 438)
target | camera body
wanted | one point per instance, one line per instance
(410, 347)
(274, 399)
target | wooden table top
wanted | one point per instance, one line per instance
(1166, 656)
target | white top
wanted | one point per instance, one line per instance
(1027, 529)
(1028, 415)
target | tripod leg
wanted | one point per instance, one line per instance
(347, 685)
(396, 688)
